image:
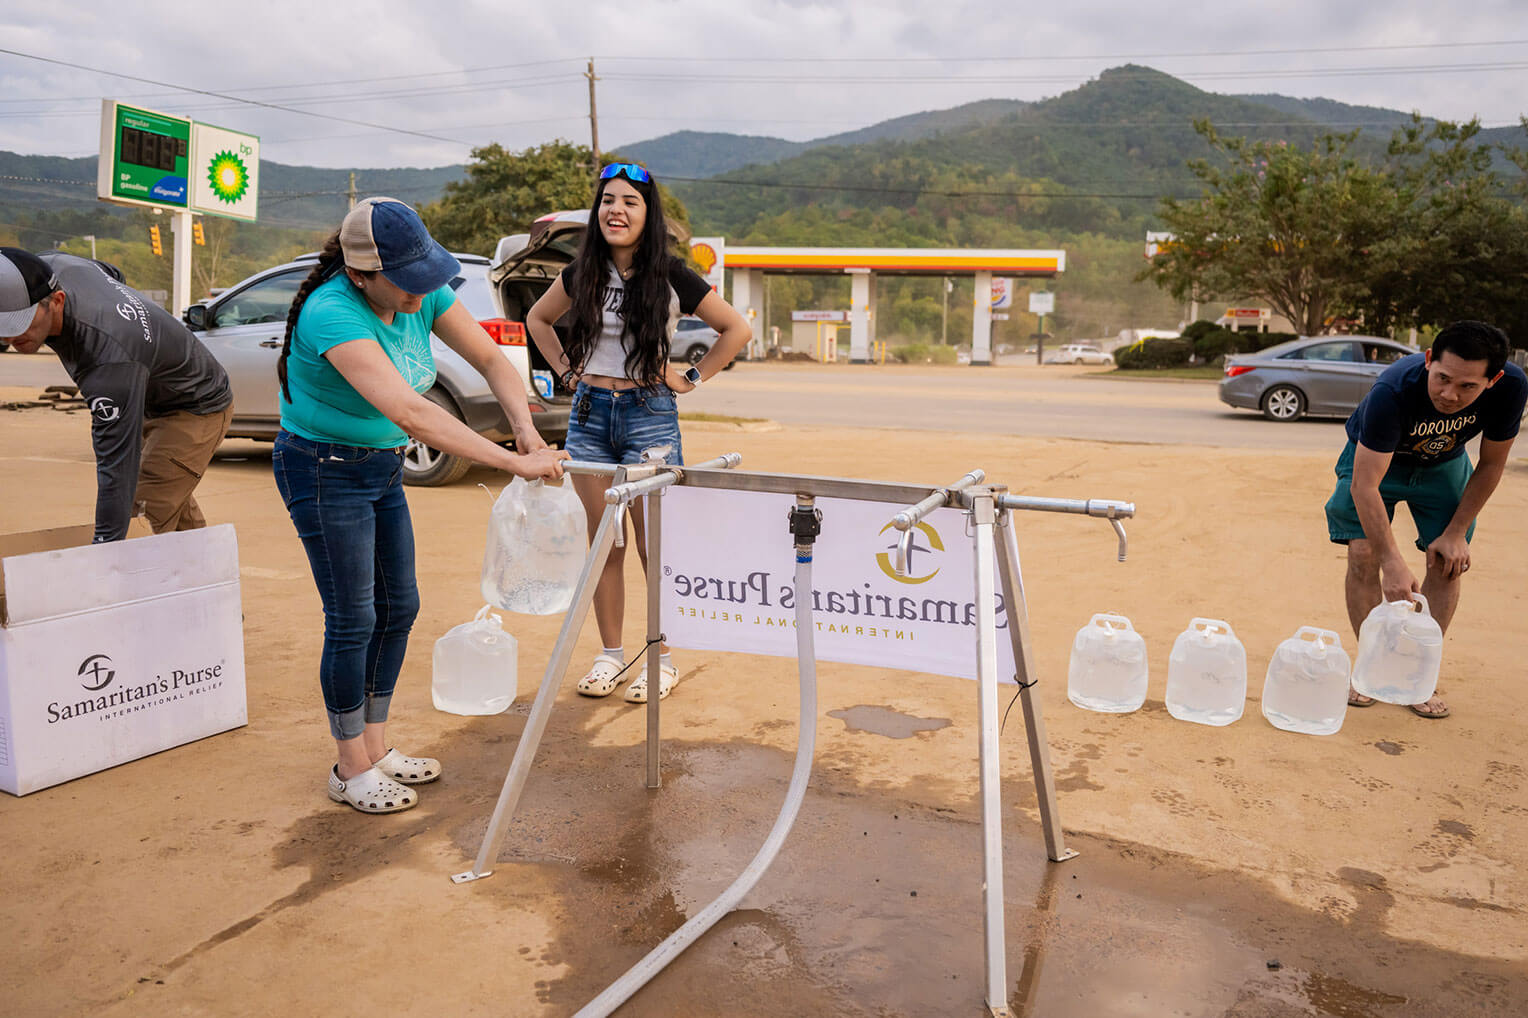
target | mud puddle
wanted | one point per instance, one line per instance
(874, 908)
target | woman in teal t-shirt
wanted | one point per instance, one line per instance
(353, 368)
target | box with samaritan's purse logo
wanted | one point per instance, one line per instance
(112, 652)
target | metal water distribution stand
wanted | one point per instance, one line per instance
(996, 562)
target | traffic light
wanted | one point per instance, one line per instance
(197, 234)
(154, 240)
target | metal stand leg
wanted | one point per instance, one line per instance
(541, 710)
(983, 512)
(654, 632)
(1024, 661)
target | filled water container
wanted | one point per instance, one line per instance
(1306, 689)
(1207, 674)
(1400, 649)
(475, 667)
(537, 542)
(1108, 667)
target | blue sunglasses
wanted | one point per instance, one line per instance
(631, 171)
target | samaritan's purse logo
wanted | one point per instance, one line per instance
(884, 559)
(98, 668)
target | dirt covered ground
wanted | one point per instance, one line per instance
(1240, 871)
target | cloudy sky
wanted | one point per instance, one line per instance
(389, 83)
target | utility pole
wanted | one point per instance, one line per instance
(944, 321)
(352, 188)
(594, 119)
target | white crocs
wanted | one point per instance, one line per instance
(371, 791)
(637, 691)
(604, 675)
(408, 770)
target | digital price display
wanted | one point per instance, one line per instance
(145, 156)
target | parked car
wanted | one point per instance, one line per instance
(1080, 353)
(525, 264)
(243, 328)
(1323, 375)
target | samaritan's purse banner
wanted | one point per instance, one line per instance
(729, 583)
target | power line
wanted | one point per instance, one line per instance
(965, 59)
(231, 98)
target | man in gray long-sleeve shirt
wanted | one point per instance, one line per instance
(159, 402)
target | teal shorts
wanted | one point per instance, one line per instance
(1431, 492)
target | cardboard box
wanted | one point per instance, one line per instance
(111, 652)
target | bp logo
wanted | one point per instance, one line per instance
(228, 176)
(914, 556)
(97, 669)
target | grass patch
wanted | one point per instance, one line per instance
(1193, 372)
(721, 418)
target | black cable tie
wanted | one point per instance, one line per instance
(1025, 685)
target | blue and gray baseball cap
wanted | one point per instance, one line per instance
(25, 280)
(384, 235)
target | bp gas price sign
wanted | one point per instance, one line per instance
(153, 158)
(145, 156)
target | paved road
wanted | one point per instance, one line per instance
(1064, 402)
(1055, 401)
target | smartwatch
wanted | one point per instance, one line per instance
(692, 375)
(569, 379)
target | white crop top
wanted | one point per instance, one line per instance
(607, 356)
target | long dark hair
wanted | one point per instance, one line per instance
(331, 259)
(645, 308)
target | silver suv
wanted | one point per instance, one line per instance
(243, 328)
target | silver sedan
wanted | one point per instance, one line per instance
(1323, 375)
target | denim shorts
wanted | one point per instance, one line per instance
(1431, 492)
(617, 425)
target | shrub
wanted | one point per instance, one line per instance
(923, 353)
(1153, 353)
(1202, 327)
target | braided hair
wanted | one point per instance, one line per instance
(331, 259)
(645, 305)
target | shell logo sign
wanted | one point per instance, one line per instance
(709, 253)
(705, 257)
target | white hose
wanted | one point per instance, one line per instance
(618, 992)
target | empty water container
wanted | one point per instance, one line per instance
(475, 667)
(1400, 649)
(1306, 689)
(1108, 668)
(1207, 674)
(536, 548)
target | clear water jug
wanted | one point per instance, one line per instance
(1400, 649)
(475, 667)
(536, 547)
(1306, 689)
(1108, 668)
(1207, 674)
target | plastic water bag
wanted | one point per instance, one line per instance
(1400, 649)
(1108, 667)
(475, 667)
(536, 547)
(1207, 674)
(1306, 689)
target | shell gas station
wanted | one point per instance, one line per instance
(864, 265)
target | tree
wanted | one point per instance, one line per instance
(506, 191)
(1293, 227)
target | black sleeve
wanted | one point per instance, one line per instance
(566, 275)
(688, 285)
(114, 395)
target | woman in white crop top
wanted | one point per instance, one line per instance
(623, 295)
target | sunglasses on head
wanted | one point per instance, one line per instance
(631, 171)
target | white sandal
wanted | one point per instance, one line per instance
(637, 691)
(604, 675)
(371, 791)
(408, 770)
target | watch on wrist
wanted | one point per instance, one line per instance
(692, 375)
(569, 379)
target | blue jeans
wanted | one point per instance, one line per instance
(347, 504)
(616, 425)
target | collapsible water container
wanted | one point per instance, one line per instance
(1207, 674)
(1400, 649)
(1108, 668)
(536, 547)
(1306, 689)
(475, 667)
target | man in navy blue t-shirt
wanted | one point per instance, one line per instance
(1406, 444)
